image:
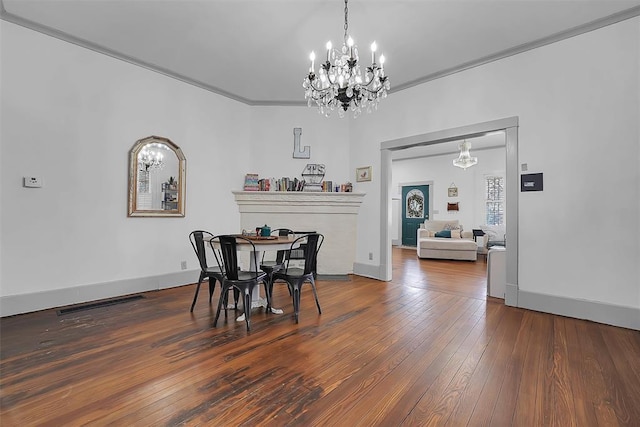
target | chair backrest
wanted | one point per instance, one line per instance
(227, 245)
(280, 232)
(299, 252)
(312, 243)
(197, 239)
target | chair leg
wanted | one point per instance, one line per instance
(212, 286)
(296, 300)
(315, 294)
(247, 306)
(267, 291)
(225, 304)
(220, 303)
(236, 296)
(195, 297)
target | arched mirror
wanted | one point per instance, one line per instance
(156, 178)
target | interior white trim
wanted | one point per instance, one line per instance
(14, 19)
(367, 270)
(562, 35)
(616, 315)
(510, 126)
(26, 303)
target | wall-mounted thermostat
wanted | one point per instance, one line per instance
(32, 181)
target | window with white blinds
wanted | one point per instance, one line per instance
(494, 200)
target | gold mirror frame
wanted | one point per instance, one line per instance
(133, 179)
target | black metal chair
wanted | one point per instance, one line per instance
(234, 278)
(214, 273)
(271, 266)
(300, 251)
(296, 277)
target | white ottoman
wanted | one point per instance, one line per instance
(444, 248)
(497, 272)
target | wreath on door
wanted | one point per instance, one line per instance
(415, 205)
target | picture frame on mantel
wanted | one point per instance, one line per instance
(363, 174)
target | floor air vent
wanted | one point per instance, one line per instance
(98, 304)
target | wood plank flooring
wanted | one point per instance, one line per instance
(427, 348)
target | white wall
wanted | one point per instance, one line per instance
(578, 106)
(271, 130)
(70, 116)
(441, 171)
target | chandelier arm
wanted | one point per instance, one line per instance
(312, 84)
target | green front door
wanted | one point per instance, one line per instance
(415, 209)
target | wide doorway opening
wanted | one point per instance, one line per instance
(416, 146)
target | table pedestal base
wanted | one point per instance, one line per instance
(258, 302)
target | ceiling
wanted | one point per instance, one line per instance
(256, 51)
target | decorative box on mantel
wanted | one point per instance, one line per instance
(332, 214)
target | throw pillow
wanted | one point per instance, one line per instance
(453, 227)
(444, 233)
(455, 234)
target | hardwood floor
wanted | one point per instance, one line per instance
(427, 348)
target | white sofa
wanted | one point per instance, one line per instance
(460, 246)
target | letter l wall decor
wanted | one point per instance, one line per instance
(297, 153)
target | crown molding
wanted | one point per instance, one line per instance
(61, 35)
(562, 35)
(572, 32)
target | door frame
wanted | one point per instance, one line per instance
(507, 125)
(398, 241)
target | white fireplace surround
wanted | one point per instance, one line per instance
(333, 215)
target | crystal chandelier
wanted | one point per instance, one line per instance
(151, 159)
(465, 160)
(341, 84)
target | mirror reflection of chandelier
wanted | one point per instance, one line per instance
(341, 84)
(465, 160)
(151, 158)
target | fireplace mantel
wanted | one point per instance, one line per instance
(332, 214)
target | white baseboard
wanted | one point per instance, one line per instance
(616, 315)
(25, 303)
(511, 295)
(368, 270)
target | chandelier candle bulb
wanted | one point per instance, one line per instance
(329, 46)
(312, 57)
(373, 52)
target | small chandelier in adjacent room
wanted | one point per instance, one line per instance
(151, 159)
(341, 84)
(465, 160)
